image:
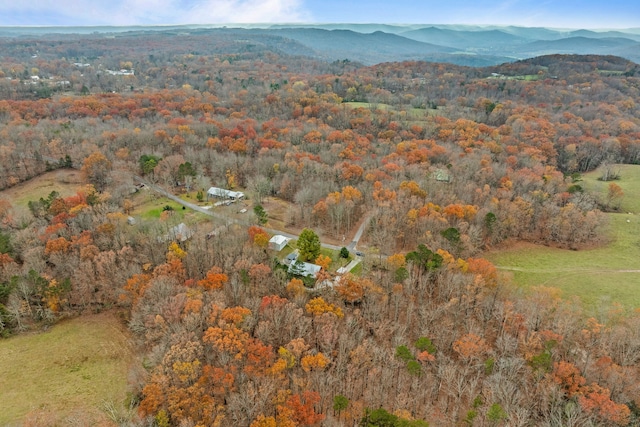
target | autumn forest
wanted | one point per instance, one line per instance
(438, 163)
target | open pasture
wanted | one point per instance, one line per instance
(66, 375)
(65, 181)
(598, 276)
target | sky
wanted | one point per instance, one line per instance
(592, 14)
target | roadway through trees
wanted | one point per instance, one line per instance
(229, 221)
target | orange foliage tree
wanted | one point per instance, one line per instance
(470, 346)
(597, 400)
(96, 169)
(302, 408)
(214, 279)
(323, 261)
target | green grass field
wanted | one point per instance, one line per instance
(610, 273)
(149, 207)
(154, 210)
(65, 374)
(629, 182)
(65, 181)
(336, 260)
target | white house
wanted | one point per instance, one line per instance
(278, 242)
(301, 268)
(222, 193)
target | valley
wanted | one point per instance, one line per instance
(482, 182)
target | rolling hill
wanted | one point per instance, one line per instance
(366, 48)
(484, 40)
(369, 44)
(624, 47)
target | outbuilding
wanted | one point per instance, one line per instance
(278, 242)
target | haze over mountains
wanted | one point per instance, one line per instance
(376, 43)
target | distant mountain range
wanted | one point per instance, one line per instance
(375, 43)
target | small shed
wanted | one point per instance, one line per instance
(278, 242)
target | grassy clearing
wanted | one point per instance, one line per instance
(610, 72)
(610, 273)
(155, 211)
(64, 181)
(66, 373)
(192, 197)
(370, 106)
(629, 182)
(149, 206)
(357, 270)
(336, 260)
(411, 113)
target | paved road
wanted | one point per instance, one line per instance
(358, 235)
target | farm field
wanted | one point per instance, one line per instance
(67, 374)
(629, 182)
(606, 274)
(64, 181)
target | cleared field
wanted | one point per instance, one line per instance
(610, 273)
(607, 274)
(64, 376)
(369, 106)
(610, 72)
(411, 113)
(64, 181)
(629, 182)
(149, 206)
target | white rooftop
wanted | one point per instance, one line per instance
(278, 239)
(221, 192)
(304, 268)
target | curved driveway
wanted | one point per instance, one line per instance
(214, 214)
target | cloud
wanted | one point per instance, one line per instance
(150, 12)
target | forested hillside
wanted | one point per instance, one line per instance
(443, 161)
